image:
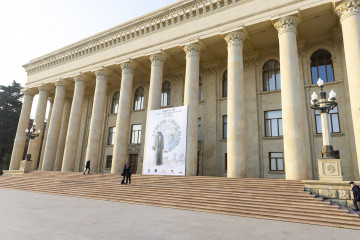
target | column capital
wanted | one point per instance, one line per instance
(348, 8)
(286, 24)
(157, 59)
(192, 49)
(80, 80)
(102, 73)
(43, 89)
(28, 91)
(60, 84)
(127, 67)
(235, 38)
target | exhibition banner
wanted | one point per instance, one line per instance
(165, 151)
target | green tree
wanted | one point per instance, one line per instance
(10, 108)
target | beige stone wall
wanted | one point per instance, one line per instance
(208, 29)
(213, 107)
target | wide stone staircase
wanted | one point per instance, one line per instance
(259, 198)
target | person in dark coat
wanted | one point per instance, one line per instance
(87, 167)
(356, 192)
(126, 173)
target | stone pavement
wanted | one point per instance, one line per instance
(29, 215)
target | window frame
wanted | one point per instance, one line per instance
(139, 92)
(167, 90)
(138, 132)
(224, 133)
(265, 119)
(224, 81)
(114, 102)
(324, 64)
(276, 161)
(330, 121)
(268, 75)
(200, 89)
(108, 157)
(112, 134)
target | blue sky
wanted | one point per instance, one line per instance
(31, 28)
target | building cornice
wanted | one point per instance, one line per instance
(179, 12)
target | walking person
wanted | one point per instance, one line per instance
(126, 173)
(87, 167)
(356, 192)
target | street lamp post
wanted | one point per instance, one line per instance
(31, 134)
(324, 106)
(329, 168)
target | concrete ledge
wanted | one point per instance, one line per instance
(12, 172)
(339, 192)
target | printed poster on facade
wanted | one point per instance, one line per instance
(165, 151)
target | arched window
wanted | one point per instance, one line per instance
(165, 94)
(200, 89)
(322, 66)
(224, 85)
(139, 98)
(271, 75)
(115, 103)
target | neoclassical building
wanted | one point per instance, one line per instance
(245, 69)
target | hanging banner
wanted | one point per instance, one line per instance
(165, 151)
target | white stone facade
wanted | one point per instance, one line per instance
(201, 39)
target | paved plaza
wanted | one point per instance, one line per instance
(29, 215)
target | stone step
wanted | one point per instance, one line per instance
(323, 220)
(260, 198)
(293, 197)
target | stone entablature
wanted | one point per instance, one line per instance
(174, 14)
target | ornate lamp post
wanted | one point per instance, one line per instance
(329, 167)
(324, 106)
(31, 134)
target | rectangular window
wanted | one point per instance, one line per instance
(273, 123)
(225, 127)
(136, 134)
(225, 162)
(199, 128)
(276, 161)
(111, 136)
(108, 162)
(333, 118)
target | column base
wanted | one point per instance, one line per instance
(330, 169)
(26, 166)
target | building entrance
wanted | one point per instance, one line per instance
(133, 162)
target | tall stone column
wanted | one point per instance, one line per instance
(97, 119)
(191, 99)
(349, 13)
(54, 127)
(123, 118)
(236, 137)
(73, 129)
(156, 79)
(46, 134)
(20, 138)
(35, 144)
(292, 101)
(62, 135)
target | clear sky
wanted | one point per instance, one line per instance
(31, 28)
